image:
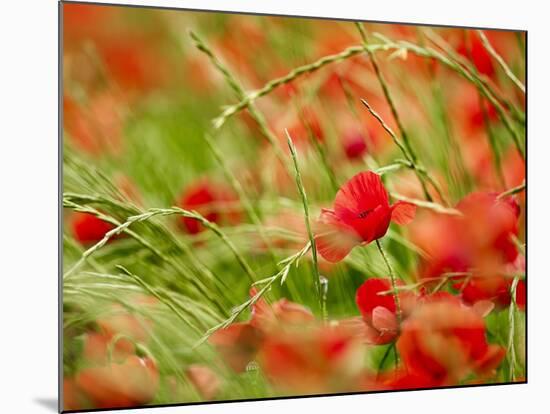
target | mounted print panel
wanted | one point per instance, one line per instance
(260, 207)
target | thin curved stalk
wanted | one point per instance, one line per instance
(267, 283)
(303, 196)
(487, 45)
(393, 280)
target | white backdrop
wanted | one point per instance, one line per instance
(28, 204)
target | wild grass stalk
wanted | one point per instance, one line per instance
(500, 60)
(421, 172)
(438, 208)
(113, 200)
(257, 116)
(241, 94)
(267, 283)
(292, 75)
(165, 300)
(452, 148)
(68, 202)
(482, 86)
(388, 96)
(512, 191)
(438, 41)
(387, 44)
(511, 347)
(303, 196)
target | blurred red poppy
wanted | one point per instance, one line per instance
(87, 228)
(477, 246)
(355, 145)
(120, 384)
(361, 214)
(472, 49)
(215, 202)
(443, 342)
(239, 343)
(313, 360)
(379, 310)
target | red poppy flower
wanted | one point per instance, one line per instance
(87, 228)
(492, 222)
(479, 241)
(474, 50)
(213, 201)
(404, 380)
(378, 310)
(313, 360)
(355, 145)
(361, 214)
(445, 342)
(282, 313)
(239, 343)
(493, 287)
(126, 384)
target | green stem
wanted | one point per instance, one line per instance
(303, 196)
(421, 173)
(512, 191)
(152, 291)
(241, 94)
(386, 91)
(512, 331)
(384, 359)
(267, 282)
(393, 284)
(500, 61)
(293, 74)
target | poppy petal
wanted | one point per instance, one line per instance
(361, 194)
(383, 319)
(334, 239)
(403, 212)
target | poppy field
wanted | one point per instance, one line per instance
(265, 206)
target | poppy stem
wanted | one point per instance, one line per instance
(384, 359)
(393, 284)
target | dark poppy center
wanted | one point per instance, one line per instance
(365, 213)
